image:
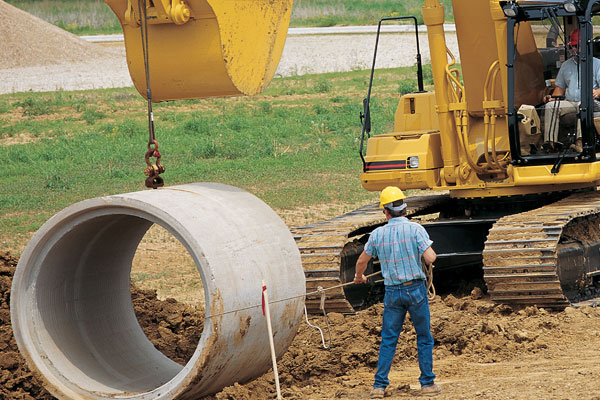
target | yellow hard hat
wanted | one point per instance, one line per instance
(389, 195)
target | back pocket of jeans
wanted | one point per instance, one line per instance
(417, 295)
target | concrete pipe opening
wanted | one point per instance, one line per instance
(71, 307)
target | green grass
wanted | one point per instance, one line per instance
(294, 146)
(95, 17)
(356, 12)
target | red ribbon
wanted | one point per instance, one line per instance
(263, 298)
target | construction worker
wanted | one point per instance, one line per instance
(400, 246)
(567, 84)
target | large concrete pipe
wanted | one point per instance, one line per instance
(71, 306)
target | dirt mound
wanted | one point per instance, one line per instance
(28, 41)
(476, 330)
(174, 328)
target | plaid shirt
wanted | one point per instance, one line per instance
(399, 246)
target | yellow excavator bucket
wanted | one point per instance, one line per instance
(204, 48)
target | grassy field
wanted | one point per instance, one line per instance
(355, 12)
(93, 16)
(295, 146)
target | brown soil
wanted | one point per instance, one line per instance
(28, 41)
(482, 351)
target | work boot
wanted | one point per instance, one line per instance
(548, 147)
(379, 393)
(431, 390)
(577, 146)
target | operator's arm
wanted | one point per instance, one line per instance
(561, 81)
(429, 256)
(361, 267)
(558, 91)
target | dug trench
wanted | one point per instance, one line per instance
(482, 350)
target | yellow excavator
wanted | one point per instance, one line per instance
(524, 207)
(514, 209)
(526, 212)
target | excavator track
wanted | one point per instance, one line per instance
(546, 256)
(329, 249)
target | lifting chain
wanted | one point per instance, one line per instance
(153, 171)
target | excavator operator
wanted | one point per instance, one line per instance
(566, 96)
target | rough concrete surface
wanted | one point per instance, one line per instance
(71, 305)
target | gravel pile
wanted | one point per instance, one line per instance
(28, 41)
(37, 56)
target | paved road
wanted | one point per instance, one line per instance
(345, 30)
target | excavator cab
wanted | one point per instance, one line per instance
(545, 128)
(520, 174)
(202, 48)
(490, 128)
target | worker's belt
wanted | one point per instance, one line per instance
(408, 282)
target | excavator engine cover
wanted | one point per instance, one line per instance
(203, 48)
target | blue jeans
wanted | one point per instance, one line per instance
(397, 301)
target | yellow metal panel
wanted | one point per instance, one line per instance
(412, 179)
(569, 173)
(227, 47)
(478, 48)
(393, 150)
(394, 146)
(416, 111)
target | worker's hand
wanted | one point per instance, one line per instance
(360, 279)
(547, 98)
(596, 93)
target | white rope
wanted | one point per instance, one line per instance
(319, 329)
(318, 291)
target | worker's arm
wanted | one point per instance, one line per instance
(361, 267)
(429, 256)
